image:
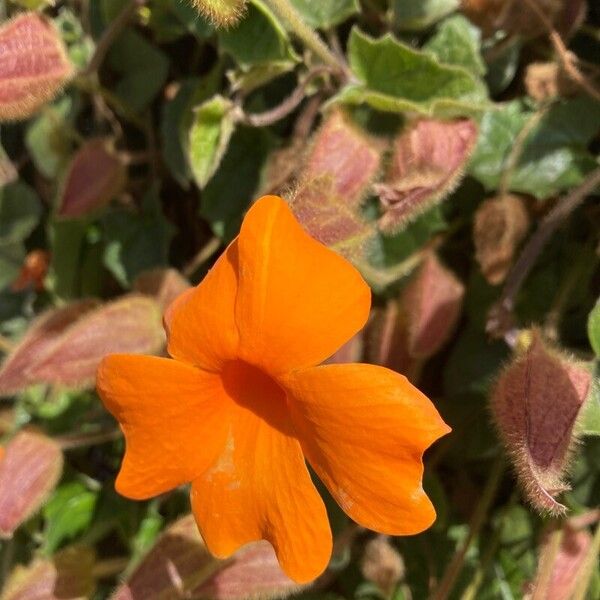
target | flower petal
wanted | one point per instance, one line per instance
(364, 429)
(260, 488)
(174, 417)
(297, 301)
(200, 323)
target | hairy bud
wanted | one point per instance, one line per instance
(222, 13)
(382, 565)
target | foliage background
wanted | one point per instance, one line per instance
(147, 159)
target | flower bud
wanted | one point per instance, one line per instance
(382, 565)
(222, 13)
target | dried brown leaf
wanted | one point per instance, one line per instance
(31, 467)
(428, 161)
(499, 227)
(94, 177)
(535, 405)
(33, 65)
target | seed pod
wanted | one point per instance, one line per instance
(535, 405)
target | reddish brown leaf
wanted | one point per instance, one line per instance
(31, 467)
(41, 335)
(179, 566)
(177, 562)
(68, 576)
(33, 65)
(94, 177)
(500, 225)
(131, 324)
(428, 162)
(560, 571)
(535, 405)
(162, 284)
(253, 572)
(346, 155)
(432, 302)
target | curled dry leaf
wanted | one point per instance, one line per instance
(180, 566)
(222, 13)
(164, 285)
(566, 565)
(499, 227)
(428, 161)
(31, 467)
(94, 177)
(68, 576)
(41, 335)
(132, 324)
(65, 346)
(535, 405)
(33, 65)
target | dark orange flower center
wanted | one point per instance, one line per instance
(253, 389)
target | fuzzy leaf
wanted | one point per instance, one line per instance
(33, 65)
(131, 324)
(258, 38)
(535, 405)
(40, 337)
(326, 14)
(209, 135)
(94, 177)
(396, 78)
(421, 14)
(20, 212)
(68, 576)
(29, 471)
(428, 162)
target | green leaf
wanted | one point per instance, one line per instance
(48, 138)
(11, 259)
(67, 513)
(141, 67)
(590, 419)
(326, 14)
(421, 14)
(234, 185)
(396, 78)
(258, 38)
(458, 42)
(554, 156)
(20, 212)
(210, 133)
(136, 242)
(593, 327)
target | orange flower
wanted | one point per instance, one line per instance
(242, 404)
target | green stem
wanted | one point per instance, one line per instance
(292, 17)
(442, 592)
